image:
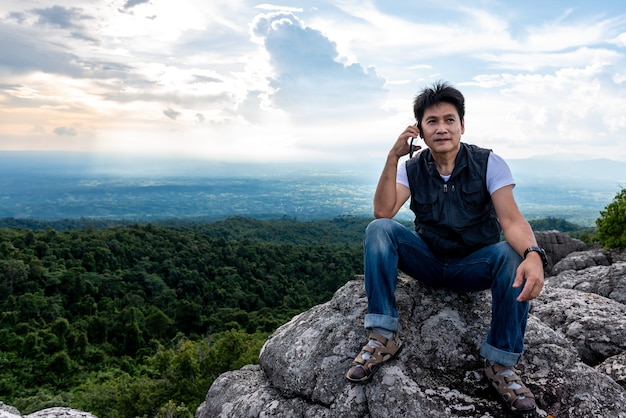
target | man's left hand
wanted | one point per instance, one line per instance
(529, 273)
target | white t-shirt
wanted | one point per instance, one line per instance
(498, 174)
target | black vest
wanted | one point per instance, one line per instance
(457, 217)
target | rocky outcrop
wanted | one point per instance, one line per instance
(574, 360)
(7, 411)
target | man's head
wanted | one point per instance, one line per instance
(439, 92)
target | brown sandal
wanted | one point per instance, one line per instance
(362, 370)
(519, 401)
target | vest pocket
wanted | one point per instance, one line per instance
(473, 195)
(424, 206)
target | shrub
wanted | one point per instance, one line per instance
(612, 223)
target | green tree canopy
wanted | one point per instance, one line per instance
(612, 223)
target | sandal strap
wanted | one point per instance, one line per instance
(378, 355)
(359, 359)
(500, 383)
(379, 338)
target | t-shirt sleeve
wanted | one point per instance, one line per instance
(401, 175)
(498, 173)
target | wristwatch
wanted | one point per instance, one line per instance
(542, 254)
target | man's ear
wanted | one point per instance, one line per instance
(462, 126)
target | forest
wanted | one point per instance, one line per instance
(126, 320)
(138, 319)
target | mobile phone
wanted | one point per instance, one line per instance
(411, 146)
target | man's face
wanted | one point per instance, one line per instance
(442, 128)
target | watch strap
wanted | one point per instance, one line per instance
(541, 251)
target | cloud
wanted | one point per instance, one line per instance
(22, 52)
(570, 109)
(309, 82)
(132, 3)
(266, 6)
(65, 18)
(60, 16)
(202, 79)
(171, 113)
(620, 40)
(535, 61)
(19, 17)
(65, 131)
(251, 107)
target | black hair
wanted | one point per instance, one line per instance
(438, 93)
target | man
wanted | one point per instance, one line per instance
(462, 197)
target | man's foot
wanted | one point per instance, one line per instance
(512, 391)
(377, 351)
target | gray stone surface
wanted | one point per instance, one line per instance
(60, 413)
(580, 260)
(604, 280)
(7, 411)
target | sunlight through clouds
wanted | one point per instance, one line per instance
(330, 80)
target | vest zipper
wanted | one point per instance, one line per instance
(445, 188)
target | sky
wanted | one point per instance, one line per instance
(309, 81)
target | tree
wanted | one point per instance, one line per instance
(15, 274)
(612, 223)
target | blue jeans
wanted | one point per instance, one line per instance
(390, 246)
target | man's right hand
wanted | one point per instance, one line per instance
(401, 146)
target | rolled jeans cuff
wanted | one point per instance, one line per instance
(495, 355)
(381, 321)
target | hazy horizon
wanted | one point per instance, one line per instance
(56, 185)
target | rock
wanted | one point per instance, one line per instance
(557, 245)
(615, 367)
(580, 260)
(439, 372)
(607, 281)
(60, 413)
(595, 325)
(7, 411)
